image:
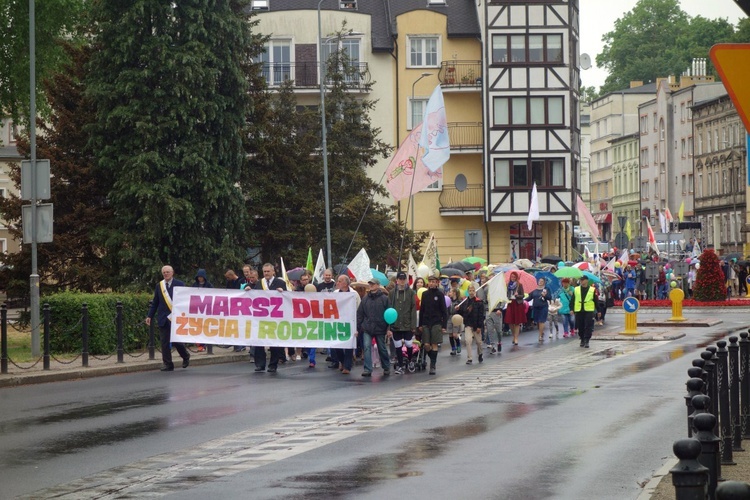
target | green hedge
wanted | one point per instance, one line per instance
(66, 327)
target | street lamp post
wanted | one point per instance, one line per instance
(324, 146)
(411, 202)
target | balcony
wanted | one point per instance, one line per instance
(460, 75)
(305, 75)
(465, 137)
(470, 201)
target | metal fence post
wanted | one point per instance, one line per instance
(745, 384)
(4, 338)
(118, 323)
(689, 476)
(45, 358)
(209, 348)
(709, 366)
(694, 386)
(715, 387)
(85, 335)
(734, 393)
(724, 416)
(710, 455)
(700, 363)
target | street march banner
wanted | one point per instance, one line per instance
(263, 318)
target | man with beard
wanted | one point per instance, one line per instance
(269, 282)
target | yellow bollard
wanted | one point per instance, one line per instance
(676, 296)
(747, 280)
(631, 306)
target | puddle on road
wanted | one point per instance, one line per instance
(667, 357)
(367, 471)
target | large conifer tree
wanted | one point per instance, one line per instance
(168, 81)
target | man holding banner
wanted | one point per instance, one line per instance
(161, 307)
(269, 282)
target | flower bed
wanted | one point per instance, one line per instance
(692, 303)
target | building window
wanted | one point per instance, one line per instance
(699, 194)
(689, 110)
(348, 5)
(690, 183)
(276, 59)
(644, 124)
(655, 121)
(416, 112)
(259, 5)
(656, 155)
(528, 111)
(435, 186)
(350, 47)
(682, 112)
(690, 147)
(644, 190)
(4, 245)
(527, 48)
(684, 184)
(424, 51)
(523, 173)
(683, 147)
(644, 157)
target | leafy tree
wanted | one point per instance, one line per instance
(74, 259)
(168, 82)
(710, 284)
(588, 94)
(55, 20)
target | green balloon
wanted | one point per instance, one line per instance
(390, 315)
(673, 284)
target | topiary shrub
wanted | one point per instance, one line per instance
(710, 284)
(66, 321)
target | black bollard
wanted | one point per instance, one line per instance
(715, 387)
(710, 368)
(45, 358)
(4, 338)
(151, 336)
(700, 404)
(695, 372)
(85, 334)
(700, 363)
(725, 419)
(689, 476)
(694, 386)
(209, 349)
(733, 490)
(745, 384)
(710, 456)
(734, 393)
(118, 323)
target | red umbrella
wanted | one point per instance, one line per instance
(583, 266)
(632, 263)
(528, 281)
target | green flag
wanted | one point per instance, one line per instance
(437, 259)
(309, 265)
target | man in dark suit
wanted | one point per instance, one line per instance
(269, 282)
(161, 307)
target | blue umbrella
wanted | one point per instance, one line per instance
(593, 278)
(553, 282)
(380, 276)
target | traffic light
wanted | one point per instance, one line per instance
(744, 5)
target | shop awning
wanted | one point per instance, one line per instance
(605, 218)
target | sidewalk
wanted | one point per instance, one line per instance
(66, 370)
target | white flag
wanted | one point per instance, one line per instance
(533, 209)
(359, 267)
(412, 269)
(430, 254)
(696, 251)
(434, 140)
(320, 268)
(284, 276)
(497, 291)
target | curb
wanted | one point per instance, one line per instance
(101, 371)
(653, 483)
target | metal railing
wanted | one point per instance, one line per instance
(460, 74)
(465, 135)
(306, 74)
(471, 198)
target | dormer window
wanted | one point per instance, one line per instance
(435, 2)
(259, 4)
(348, 5)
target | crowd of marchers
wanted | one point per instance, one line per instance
(426, 314)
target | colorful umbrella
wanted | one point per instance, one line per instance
(593, 278)
(551, 259)
(527, 280)
(295, 274)
(523, 263)
(611, 276)
(461, 266)
(380, 276)
(553, 283)
(569, 272)
(583, 266)
(474, 260)
(449, 272)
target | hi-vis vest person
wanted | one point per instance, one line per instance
(588, 302)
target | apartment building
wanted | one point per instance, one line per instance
(8, 156)
(626, 182)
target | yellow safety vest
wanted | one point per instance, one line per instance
(588, 302)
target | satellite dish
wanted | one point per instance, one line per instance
(585, 61)
(461, 183)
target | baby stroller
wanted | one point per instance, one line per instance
(417, 362)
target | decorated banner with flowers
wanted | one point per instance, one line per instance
(263, 318)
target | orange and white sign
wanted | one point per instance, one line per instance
(732, 62)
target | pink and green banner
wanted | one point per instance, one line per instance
(263, 318)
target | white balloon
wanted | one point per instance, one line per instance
(423, 270)
(697, 265)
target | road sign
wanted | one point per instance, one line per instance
(652, 271)
(42, 174)
(621, 240)
(680, 268)
(732, 62)
(640, 242)
(43, 223)
(631, 304)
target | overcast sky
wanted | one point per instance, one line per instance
(598, 17)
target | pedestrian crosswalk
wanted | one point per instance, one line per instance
(260, 446)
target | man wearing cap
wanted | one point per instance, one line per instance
(584, 306)
(403, 300)
(433, 320)
(371, 324)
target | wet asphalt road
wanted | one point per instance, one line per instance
(547, 421)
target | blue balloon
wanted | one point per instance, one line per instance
(390, 315)
(561, 264)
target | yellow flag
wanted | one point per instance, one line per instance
(627, 230)
(681, 212)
